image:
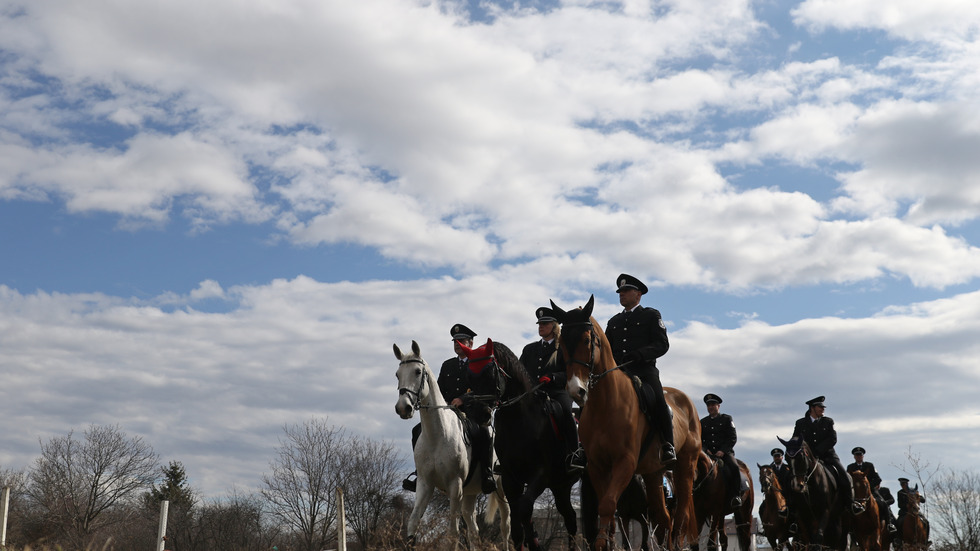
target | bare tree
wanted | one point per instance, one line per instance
(236, 523)
(956, 510)
(370, 483)
(81, 487)
(305, 474)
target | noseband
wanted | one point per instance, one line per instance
(593, 347)
(415, 396)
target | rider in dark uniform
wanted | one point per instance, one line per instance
(818, 431)
(874, 480)
(545, 365)
(780, 468)
(718, 438)
(903, 504)
(451, 380)
(638, 337)
(781, 471)
(485, 385)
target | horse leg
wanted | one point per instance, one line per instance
(563, 503)
(657, 509)
(423, 496)
(513, 489)
(531, 493)
(608, 490)
(468, 510)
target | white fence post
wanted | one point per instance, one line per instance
(341, 522)
(4, 507)
(162, 532)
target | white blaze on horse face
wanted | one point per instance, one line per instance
(577, 390)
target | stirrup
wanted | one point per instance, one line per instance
(736, 502)
(409, 484)
(576, 460)
(668, 457)
(892, 529)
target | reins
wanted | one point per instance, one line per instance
(416, 395)
(590, 365)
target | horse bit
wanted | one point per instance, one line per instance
(593, 376)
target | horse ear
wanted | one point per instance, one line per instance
(758, 465)
(589, 305)
(559, 313)
(416, 349)
(783, 442)
(398, 353)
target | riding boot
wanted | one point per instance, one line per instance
(487, 485)
(667, 455)
(734, 481)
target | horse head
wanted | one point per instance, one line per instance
(578, 342)
(771, 489)
(412, 376)
(800, 461)
(479, 357)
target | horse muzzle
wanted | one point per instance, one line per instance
(578, 392)
(404, 409)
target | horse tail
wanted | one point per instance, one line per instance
(494, 506)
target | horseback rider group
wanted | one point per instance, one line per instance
(638, 336)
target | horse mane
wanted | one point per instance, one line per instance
(430, 379)
(512, 366)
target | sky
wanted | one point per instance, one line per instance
(216, 218)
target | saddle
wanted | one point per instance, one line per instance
(726, 472)
(647, 397)
(552, 409)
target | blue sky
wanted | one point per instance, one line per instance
(216, 219)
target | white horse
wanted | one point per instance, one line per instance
(442, 458)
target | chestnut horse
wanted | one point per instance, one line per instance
(865, 527)
(913, 528)
(618, 440)
(775, 514)
(711, 504)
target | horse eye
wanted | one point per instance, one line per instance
(418, 372)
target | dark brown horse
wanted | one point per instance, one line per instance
(913, 528)
(617, 438)
(814, 499)
(865, 527)
(775, 513)
(711, 504)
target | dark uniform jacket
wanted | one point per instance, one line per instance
(539, 359)
(638, 335)
(483, 389)
(782, 473)
(868, 468)
(819, 434)
(452, 379)
(718, 434)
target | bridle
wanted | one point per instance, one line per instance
(866, 501)
(594, 346)
(804, 478)
(414, 396)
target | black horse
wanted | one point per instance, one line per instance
(814, 497)
(530, 451)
